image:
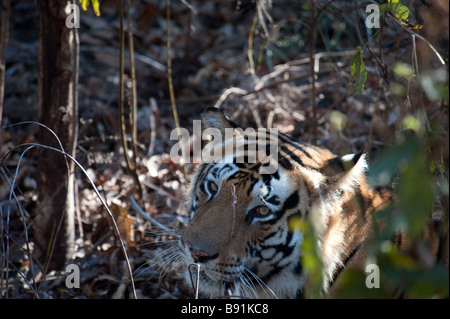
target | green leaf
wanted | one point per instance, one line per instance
(382, 172)
(400, 11)
(404, 70)
(95, 6)
(84, 4)
(414, 201)
(358, 73)
(351, 284)
(415, 195)
(310, 258)
(411, 123)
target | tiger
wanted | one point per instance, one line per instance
(238, 233)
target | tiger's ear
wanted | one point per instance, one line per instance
(214, 118)
(345, 171)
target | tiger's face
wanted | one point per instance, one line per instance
(239, 215)
(239, 231)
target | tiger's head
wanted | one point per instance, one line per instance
(239, 216)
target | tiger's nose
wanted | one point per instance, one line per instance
(199, 255)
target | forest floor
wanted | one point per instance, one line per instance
(211, 67)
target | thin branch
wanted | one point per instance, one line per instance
(4, 36)
(21, 274)
(411, 32)
(121, 86)
(114, 223)
(171, 90)
(134, 104)
(133, 82)
(148, 217)
(313, 70)
(250, 45)
(131, 162)
(366, 44)
(238, 92)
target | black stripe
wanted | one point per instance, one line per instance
(227, 166)
(204, 171)
(218, 170)
(298, 269)
(291, 154)
(286, 250)
(299, 294)
(291, 202)
(269, 236)
(275, 270)
(292, 140)
(267, 178)
(253, 180)
(200, 177)
(274, 200)
(295, 143)
(285, 163)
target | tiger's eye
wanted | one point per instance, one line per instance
(213, 186)
(263, 210)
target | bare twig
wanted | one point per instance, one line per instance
(5, 233)
(133, 84)
(21, 274)
(366, 44)
(148, 61)
(114, 223)
(12, 186)
(121, 85)
(161, 191)
(131, 162)
(250, 45)
(416, 35)
(196, 286)
(238, 92)
(153, 113)
(4, 35)
(148, 217)
(171, 90)
(312, 46)
(134, 104)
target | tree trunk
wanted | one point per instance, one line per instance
(54, 230)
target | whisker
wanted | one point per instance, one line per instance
(261, 283)
(143, 268)
(150, 263)
(156, 231)
(165, 261)
(166, 270)
(159, 242)
(250, 289)
(244, 288)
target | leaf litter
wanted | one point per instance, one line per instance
(210, 67)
